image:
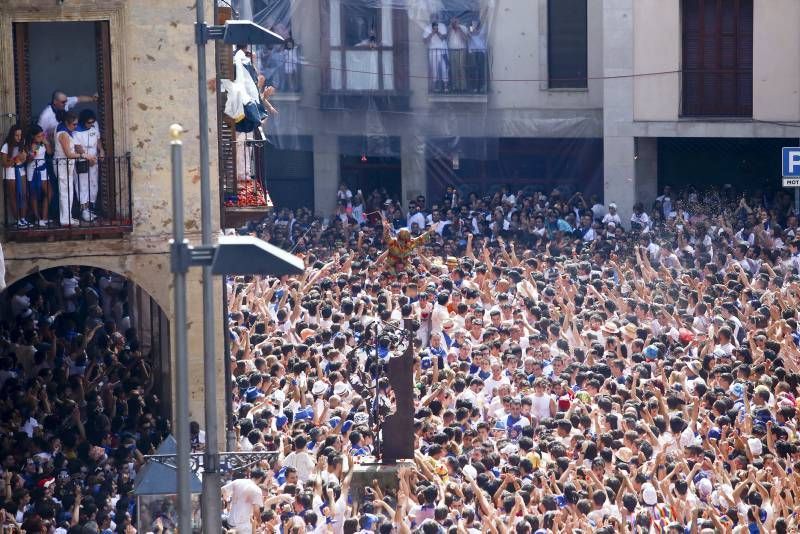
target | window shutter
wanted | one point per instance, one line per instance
(567, 43)
(22, 77)
(717, 57)
(226, 133)
(400, 53)
(108, 184)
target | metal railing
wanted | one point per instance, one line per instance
(243, 184)
(459, 71)
(56, 194)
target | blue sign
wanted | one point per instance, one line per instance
(791, 162)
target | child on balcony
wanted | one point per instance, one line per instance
(37, 147)
(12, 160)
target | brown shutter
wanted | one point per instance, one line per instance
(226, 132)
(400, 52)
(110, 189)
(717, 57)
(22, 76)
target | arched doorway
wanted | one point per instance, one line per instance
(118, 324)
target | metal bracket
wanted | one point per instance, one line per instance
(183, 256)
(204, 33)
(227, 462)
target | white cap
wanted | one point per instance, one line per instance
(340, 388)
(755, 446)
(612, 205)
(649, 495)
(319, 387)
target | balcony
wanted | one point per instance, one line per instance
(243, 182)
(458, 75)
(100, 205)
(282, 68)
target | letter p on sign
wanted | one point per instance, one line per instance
(791, 162)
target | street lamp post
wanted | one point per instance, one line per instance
(181, 425)
(234, 32)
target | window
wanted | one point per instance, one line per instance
(566, 44)
(717, 58)
(280, 64)
(361, 44)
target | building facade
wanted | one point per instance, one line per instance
(609, 96)
(138, 58)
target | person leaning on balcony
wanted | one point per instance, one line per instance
(12, 160)
(435, 36)
(41, 193)
(65, 155)
(60, 103)
(457, 55)
(87, 135)
(477, 57)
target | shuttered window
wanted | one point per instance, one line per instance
(566, 44)
(717, 73)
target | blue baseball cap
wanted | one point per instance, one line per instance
(280, 421)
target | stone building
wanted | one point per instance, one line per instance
(138, 56)
(614, 96)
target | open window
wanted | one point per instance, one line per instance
(280, 64)
(73, 57)
(365, 44)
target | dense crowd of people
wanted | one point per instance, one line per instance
(574, 372)
(77, 402)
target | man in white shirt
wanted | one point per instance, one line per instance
(477, 57)
(60, 102)
(457, 54)
(246, 498)
(301, 460)
(612, 215)
(435, 36)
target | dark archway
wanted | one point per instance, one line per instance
(78, 302)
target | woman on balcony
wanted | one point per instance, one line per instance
(39, 183)
(87, 135)
(12, 159)
(66, 154)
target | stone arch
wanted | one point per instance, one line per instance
(148, 316)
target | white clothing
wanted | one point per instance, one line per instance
(540, 406)
(477, 40)
(244, 495)
(417, 218)
(615, 218)
(88, 182)
(10, 173)
(65, 171)
(302, 462)
(438, 39)
(457, 40)
(48, 120)
(37, 161)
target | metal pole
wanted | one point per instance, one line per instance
(230, 434)
(211, 499)
(181, 423)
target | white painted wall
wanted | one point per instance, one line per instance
(776, 60)
(657, 48)
(776, 67)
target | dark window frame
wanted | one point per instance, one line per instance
(717, 62)
(564, 72)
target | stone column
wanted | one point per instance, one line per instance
(618, 144)
(326, 173)
(646, 177)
